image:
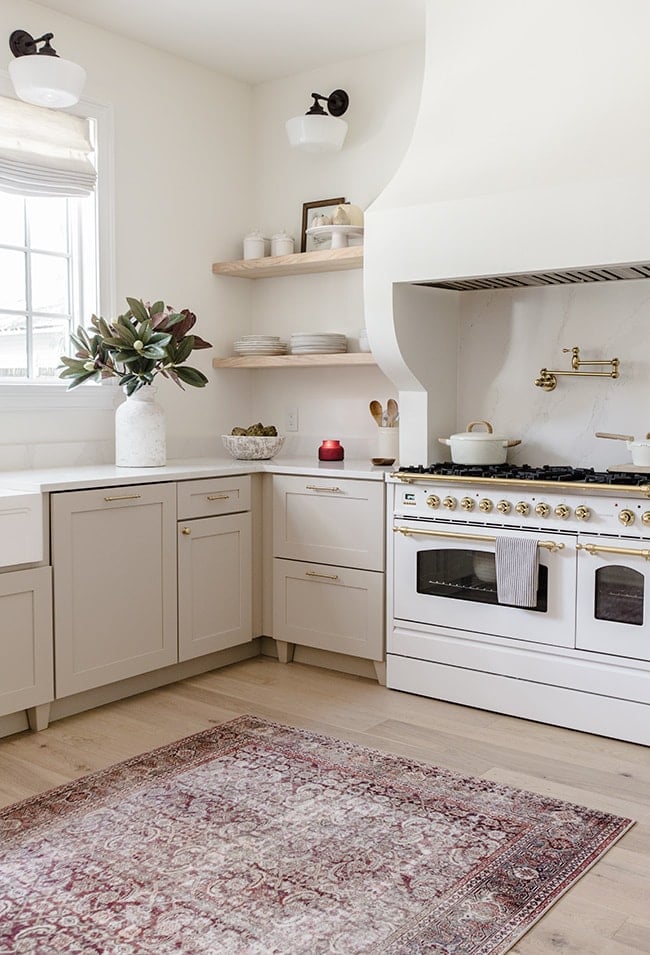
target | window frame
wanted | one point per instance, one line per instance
(37, 396)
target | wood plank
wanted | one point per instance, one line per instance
(299, 263)
(292, 361)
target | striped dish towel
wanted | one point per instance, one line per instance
(517, 561)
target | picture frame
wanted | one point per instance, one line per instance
(323, 207)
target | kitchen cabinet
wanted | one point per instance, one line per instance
(328, 566)
(114, 566)
(26, 642)
(215, 590)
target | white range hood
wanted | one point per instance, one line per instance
(529, 165)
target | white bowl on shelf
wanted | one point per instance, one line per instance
(249, 447)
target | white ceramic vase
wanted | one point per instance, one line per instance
(140, 431)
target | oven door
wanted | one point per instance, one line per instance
(613, 597)
(447, 577)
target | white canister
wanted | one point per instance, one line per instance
(254, 245)
(388, 443)
(281, 244)
(364, 344)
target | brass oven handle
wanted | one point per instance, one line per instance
(315, 487)
(218, 497)
(312, 573)
(547, 545)
(599, 549)
(124, 497)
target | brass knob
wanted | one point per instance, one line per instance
(626, 517)
(542, 510)
(522, 508)
(645, 518)
(433, 500)
(467, 504)
(485, 505)
(449, 503)
(563, 511)
(582, 512)
(503, 507)
(186, 530)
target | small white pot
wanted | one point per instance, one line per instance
(640, 451)
(479, 447)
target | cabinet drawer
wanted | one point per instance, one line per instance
(331, 608)
(213, 496)
(329, 520)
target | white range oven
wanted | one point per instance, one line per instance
(578, 656)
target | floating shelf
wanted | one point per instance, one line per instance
(299, 263)
(292, 361)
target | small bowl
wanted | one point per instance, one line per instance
(249, 447)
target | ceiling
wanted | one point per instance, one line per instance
(256, 40)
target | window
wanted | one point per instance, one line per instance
(56, 270)
(49, 286)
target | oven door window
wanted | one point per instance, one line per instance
(467, 575)
(619, 595)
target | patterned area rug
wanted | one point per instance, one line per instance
(258, 839)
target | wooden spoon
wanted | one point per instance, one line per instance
(616, 437)
(377, 412)
(391, 412)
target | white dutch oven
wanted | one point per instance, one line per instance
(640, 450)
(478, 447)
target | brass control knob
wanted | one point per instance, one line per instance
(503, 507)
(485, 505)
(582, 512)
(626, 517)
(449, 503)
(467, 504)
(521, 507)
(563, 511)
(433, 500)
(542, 510)
(645, 518)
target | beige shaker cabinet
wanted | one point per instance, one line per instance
(328, 566)
(215, 590)
(26, 642)
(115, 601)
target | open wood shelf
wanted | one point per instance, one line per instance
(299, 263)
(293, 361)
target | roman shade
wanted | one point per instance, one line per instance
(43, 152)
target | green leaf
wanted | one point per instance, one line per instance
(154, 351)
(138, 308)
(156, 308)
(184, 350)
(191, 376)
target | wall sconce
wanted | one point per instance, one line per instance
(318, 131)
(40, 76)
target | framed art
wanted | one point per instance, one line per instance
(320, 207)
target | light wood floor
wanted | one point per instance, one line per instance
(606, 913)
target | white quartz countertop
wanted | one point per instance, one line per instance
(107, 475)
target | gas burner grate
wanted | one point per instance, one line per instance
(525, 472)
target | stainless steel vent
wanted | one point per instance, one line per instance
(608, 273)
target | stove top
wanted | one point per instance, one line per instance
(525, 472)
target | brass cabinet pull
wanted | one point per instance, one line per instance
(406, 531)
(312, 573)
(124, 497)
(218, 497)
(314, 487)
(186, 530)
(599, 549)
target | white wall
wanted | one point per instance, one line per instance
(183, 174)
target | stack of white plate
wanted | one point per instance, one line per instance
(313, 343)
(260, 345)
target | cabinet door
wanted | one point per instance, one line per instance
(25, 639)
(329, 520)
(214, 584)
(332, 608)
(114, 565)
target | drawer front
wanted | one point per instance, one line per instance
(329, 521)
(213, 496)
(330, 608)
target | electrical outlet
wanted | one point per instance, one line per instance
(291, 419)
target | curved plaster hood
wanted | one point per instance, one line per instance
(529, 165)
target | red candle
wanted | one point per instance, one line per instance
(330, 451)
